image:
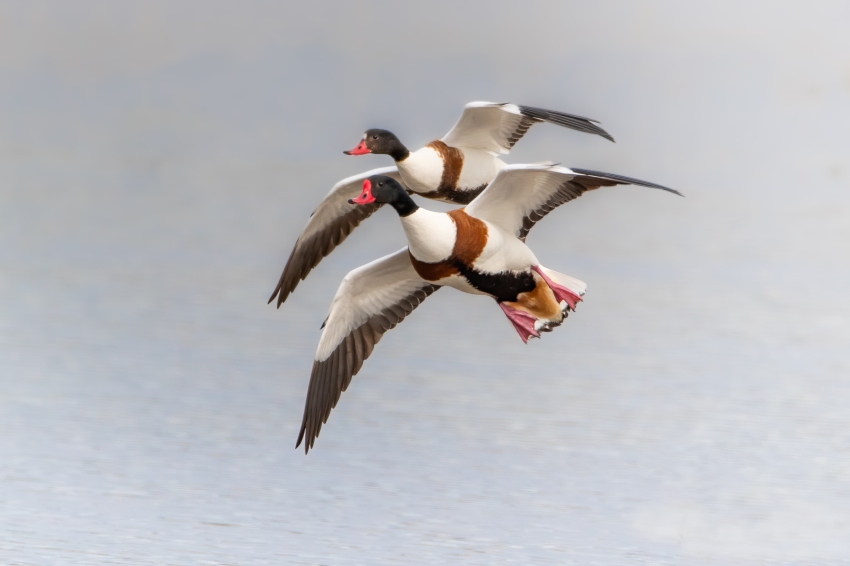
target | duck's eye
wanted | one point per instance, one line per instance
(374, 137)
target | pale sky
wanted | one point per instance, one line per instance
(722, 85)
(95, 38)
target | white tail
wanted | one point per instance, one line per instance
(576, 286)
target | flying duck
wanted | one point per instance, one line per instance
(479, 249)
(454, 169)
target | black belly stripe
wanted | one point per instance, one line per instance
(470, 241)
(456, 196)
(504, 286)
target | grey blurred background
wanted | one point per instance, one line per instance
(158, 160)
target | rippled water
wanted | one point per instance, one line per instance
(693, 411)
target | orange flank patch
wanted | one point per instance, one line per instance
(452, 164)
(470, 242)
(433, 271)
(448, 190)
(539, 303)
(471, 236)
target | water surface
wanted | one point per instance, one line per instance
(693, 410)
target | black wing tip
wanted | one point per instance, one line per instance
(625, 180)
(279, 295)
(572, 121)
(275, 293)
(301, 438)
(374, 329)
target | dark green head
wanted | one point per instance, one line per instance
(382, 189)
(382, 142)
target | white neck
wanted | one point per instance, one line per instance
(422, 170)
(431, 235)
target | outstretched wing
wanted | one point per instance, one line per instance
(520, 195)
(371, 300)
(496, 127)
(329, 225)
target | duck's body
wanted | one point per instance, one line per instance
(453, 169)
(448, 174)
(479, 250)
(474, 256)
(467, 253)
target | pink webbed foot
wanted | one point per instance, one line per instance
(522, 321)
(561, 292)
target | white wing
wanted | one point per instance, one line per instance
(496, 127)
(371, 300)
(329, 226)
(520, 195)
